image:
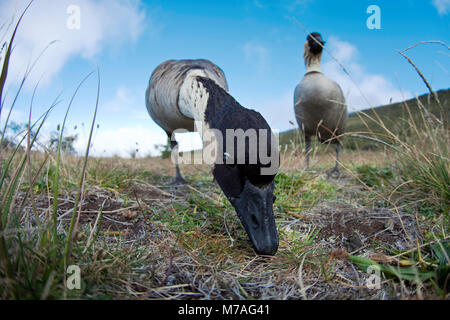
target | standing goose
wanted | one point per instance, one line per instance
(192, 95)
(319, 103)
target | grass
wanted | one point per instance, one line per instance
(153, 239)
(416, 179)
(373, 176)
(132, 236)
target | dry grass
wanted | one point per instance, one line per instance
(161, 242)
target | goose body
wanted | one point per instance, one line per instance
(319, 103)
(320, 100)
(164, 93)
(192, 95)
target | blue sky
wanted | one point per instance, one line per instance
(258, 44)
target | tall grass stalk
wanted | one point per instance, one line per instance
(8, 196)
(5, 67)
(19, 89)
(72, 232)
(58, 162)
(422, 157)
(426, 158)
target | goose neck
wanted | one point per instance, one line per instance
(313, 64)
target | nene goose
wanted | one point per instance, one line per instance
(192, 94)
(319, 103)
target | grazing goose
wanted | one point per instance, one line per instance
(319, 103)
(192, 94)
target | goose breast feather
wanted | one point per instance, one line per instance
(319, 100)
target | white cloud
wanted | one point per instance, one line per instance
(442, 6)
(102, 23)
(121, 102)
(258, 55)
(123, 141)
(278, 112)
(126, 103)
(376, 88)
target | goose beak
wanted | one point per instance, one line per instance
(254, 207)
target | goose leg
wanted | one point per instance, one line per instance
(307, 150)
(336, 167)
(178, 177)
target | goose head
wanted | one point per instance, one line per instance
(253, 203)
(254, 206)
(314, 43)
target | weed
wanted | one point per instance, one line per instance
(373, 176)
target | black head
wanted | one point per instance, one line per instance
(314, 46)
(253, 203)
(254, 207)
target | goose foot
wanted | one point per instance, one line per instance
(334, 173)
(177, 181)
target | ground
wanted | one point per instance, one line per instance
(156, 241)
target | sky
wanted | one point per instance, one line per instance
(258, 44)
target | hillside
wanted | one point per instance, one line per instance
(394, 116)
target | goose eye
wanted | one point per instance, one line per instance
(227, 156)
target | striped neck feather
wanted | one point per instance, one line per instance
(200, 97)
(312, 61)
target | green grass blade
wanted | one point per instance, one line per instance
(58, 160)
(69, 240)
(5, 67)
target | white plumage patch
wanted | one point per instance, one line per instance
(193, 98)
(193, 95)
(192, 102)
